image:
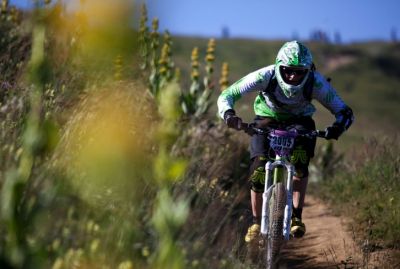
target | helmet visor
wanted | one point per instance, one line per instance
(293, 75)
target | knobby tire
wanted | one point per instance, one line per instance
(276, 212)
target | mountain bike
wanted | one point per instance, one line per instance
(278, 192)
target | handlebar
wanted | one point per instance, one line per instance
(251, 129)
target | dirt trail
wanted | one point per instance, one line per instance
(327, 243)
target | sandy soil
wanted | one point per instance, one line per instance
(326, 244)
(329, 243)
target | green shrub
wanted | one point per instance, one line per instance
(368, 190)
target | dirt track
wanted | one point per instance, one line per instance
(326, 244)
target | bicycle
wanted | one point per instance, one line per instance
(278, 192)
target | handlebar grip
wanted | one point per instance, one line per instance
(321, 133)
(244, 126)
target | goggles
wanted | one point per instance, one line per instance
(296, 71)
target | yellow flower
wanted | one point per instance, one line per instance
(145, 252)
(210, 50)
(56, 244)
(195, 64)
(4, 5)
(195, 54)
(162, 61)
(210, 58)
(125, 265)
(94, 245)
(58, 264)
(163, 70)
(195, 74)
(155, 24)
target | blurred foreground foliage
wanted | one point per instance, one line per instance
(86, 140)
(91, 112)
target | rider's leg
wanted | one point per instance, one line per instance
(301, 156)
(298, 228)
(256, 205)
(300, 182)
(299, 194)
(259, 149)
(257, 178)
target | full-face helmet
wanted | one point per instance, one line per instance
(292, 67)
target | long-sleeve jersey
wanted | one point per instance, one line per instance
(280, 107)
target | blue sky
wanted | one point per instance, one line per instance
(355, 20)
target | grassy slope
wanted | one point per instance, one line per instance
(369, 188)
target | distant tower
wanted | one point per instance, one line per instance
(337, 38)
(295, 36)
(225, 32)
(393, 35)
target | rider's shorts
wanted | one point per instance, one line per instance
(260, 151)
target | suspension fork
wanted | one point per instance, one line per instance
(274, 174)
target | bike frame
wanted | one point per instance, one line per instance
(282, 143)
(278, 165)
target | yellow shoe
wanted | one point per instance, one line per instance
(252, 233)
(298, 228)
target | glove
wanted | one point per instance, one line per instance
(334, 131)
(232, 120)
(344, 118)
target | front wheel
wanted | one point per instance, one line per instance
(276, 214)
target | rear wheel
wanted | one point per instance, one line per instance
(276, 209)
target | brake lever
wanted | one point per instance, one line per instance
(247, 128)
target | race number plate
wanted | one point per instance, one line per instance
(282, 143)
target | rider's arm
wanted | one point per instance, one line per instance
(255, 81)
(328, 97)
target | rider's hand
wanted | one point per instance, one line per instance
(232, 120)
(333, 132)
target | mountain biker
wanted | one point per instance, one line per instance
(285, 93)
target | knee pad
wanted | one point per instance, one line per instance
(301, 171)
(301, 159)
(257, 174)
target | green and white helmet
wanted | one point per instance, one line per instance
(296, 56)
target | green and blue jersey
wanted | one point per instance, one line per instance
(280, 107)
